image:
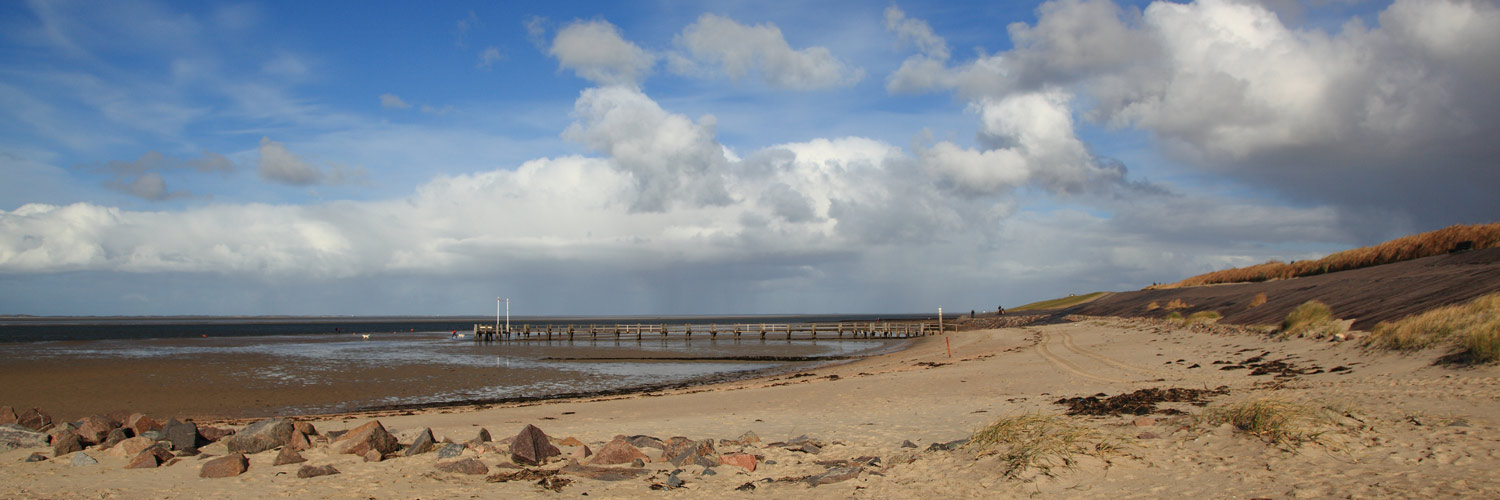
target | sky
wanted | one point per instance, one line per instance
(606, 158)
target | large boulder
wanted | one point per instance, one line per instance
(306, 428)
(362, 439)
(66, 443)
(141, 423)
(483, 437)
(209, 434)
(182, 435)
(742, 460)
(34, 419)
(288, 455)
(15, 436)
(308, 471)
(618, 451)
(82, 460)
(423, 444)
(532, 447)
(149, 458)
(131, 447)
(261, 436)
(681, 451)
(468, 466)
(225, 466)
(116, 435)
(299, 441)
(8, 415)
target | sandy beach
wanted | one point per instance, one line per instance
(1396, 426)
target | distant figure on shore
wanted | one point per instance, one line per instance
(1001, 310)
(971, 314)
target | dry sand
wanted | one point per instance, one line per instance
(1414, 430)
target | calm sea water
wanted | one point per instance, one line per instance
(300, 353)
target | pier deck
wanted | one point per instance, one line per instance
(765, 331)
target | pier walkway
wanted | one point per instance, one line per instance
(764, 331)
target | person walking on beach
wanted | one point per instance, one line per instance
(1001, 310)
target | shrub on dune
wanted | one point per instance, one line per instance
(1472, 329)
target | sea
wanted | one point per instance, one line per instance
(292, 354)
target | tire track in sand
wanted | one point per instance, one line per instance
(1068, 366)
(1067, 341)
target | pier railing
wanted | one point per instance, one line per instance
(764, 331)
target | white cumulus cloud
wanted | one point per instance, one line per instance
(596, 51)
(719, 44)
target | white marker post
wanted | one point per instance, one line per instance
(497, 315)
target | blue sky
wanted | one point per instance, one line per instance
(729, 157)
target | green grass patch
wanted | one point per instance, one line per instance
(1060, 303)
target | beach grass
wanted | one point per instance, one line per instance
(1311, 319)
(1202, 317)
(1258, 300)
(1471, 328)
(1041, 443)
(1059, 303)
(1278, 421)
(1416, 246)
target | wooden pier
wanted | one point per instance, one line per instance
(737, 331)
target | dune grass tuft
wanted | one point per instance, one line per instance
(1039, 442)
(1278, 421)
(1173, 316)
(1472, 329)
(1311, 319)
(1258, 300)
(1202, 317)
(1153, 306)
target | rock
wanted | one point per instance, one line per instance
(208, 434)
(532, 447)
(307, 429)
(639, 441)
(225, 466)
(638, 463)
(674, 482)
(131, 447)
(709, 471)
(1147, 435)
(115, 436)
(600, 473)
(182, 435)
(118, 417)
(288, 455)
(908, 444)
(806, 448)
(673, 446)
(67, 443)
(141, 423)
(618, 451)
(371, 436)
(483, 437)
(1144, 421)
(750, 486)
(261, 436)
(308, 471)
(95, 429)
(149, 458)
(423, 444)
(743, 460)
(82, 460)
(34, 419)
(691, 453)
(8, 415)
(948, 446)
(746, 439)
(36, 457)
(468, 466)
(571, 441)
(374, 456)
(450, 450)
(299, 441)
(834, 475)
(16, 436)
(581, 452)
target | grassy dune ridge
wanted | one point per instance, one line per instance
(1400, 249)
